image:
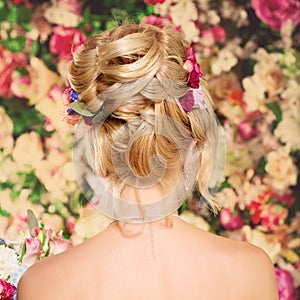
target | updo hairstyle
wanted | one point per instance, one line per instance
(138, 70)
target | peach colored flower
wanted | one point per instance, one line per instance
(50, 172)
(41, 80)
(281, 170)
(28, 149)
(6, 129)
(53, 221)
(221, 86)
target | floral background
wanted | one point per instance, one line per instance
(249, 53)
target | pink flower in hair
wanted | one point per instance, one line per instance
(194, 98)
(192, 66)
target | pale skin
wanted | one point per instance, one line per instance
(167, 259)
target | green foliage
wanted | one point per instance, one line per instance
(29, 180)
(25, 119)
(4, 213)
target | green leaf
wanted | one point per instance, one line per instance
(12, 17)
(261, 166)
(23, 15)
(4, 212)
(16, 45)
(275, 108)
(32, 220)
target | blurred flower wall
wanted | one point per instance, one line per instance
(249, 53)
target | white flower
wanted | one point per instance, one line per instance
(195, 220)
(225, 62)
(254, 92)
(60, 16)
(212, 17)
(8, 262)
(288, 129)
(183, 11)
(281, 170)
(292, 92)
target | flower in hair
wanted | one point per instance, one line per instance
(193, 98)
(193, 67)
(74, 114)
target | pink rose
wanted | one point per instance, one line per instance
(33, 251)
(286, 288)
(58, 244)
(6, 290)
(8, 63)
(276, 12)
(219, 33)
(213, 35)
(153, 20)
(246, 130)
(231, 220)
(154, 2)
(65, 40)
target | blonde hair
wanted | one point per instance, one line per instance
(137, 69)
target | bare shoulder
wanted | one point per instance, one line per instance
(258, 271)
(40, 279)
(252, 270)
(47, 277)
(241, 269)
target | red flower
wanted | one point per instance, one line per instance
(154, 2)
(6, 290)
(255, 211)
(65, 40)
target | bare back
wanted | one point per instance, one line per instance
(153, 261)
